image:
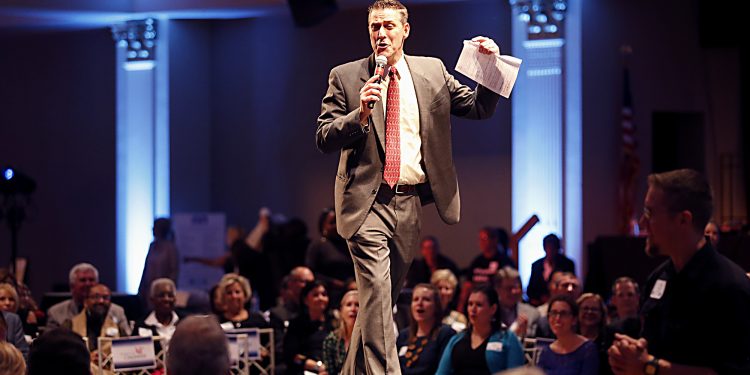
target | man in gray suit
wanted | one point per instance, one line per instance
(11, 329)
(82, 277)
(394, 156)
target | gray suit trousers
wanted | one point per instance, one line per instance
(382, 249)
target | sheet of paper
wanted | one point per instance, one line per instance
(495, 72)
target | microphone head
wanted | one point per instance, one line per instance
(381, 60)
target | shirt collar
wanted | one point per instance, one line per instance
(152, 321)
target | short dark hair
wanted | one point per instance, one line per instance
(551, 239)
(686, 190)
(623, 280)
(493, 299)
(389, 4)
(59, 351)
(566, 299)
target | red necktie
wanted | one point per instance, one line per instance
(392, 132)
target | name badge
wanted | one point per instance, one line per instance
(495, 346)
(402, 351)
(658, 290)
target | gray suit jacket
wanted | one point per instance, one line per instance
(360, 170)
(14, 334)
(66, 310)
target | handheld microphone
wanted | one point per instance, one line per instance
(380, 63)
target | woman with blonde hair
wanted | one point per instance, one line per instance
(234, 291)
(11, 360)
(592, 324)
(10, 301)
(446, 283)
(336, 343)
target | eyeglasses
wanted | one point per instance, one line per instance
(590, 309)
(96, 297)
(559, 314)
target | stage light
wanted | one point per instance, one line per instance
(139, 37)
(541, 18)
(545, 17)
(535, 29)
(8, 174)
(15, 182)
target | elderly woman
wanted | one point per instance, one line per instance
(162, 321)
(422, 343)
(486, 347)
(570, 353)
(446, 283)
(235, 292)
(337, 342)
(10, 302)
(303, 342)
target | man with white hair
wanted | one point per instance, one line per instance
(81, 278)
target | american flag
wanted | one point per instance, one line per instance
(629, 162)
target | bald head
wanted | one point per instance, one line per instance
(188, 356)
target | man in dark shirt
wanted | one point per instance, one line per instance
(491, 259)
(695, 305)
(432, 260)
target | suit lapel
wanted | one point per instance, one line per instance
(421, 85)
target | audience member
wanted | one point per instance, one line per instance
(11, 360)
(209, 354)
(9, 302)
(695, 309)
(592, 324)
(96, 319)
(542, 269)
(28, 309)
(567, 284)
(13, 329)
(422, 343)
(162, 321)
(329, 256)
(3, 328)
(162, 258)
(520, 317)
(235, 293)
(625, 297)
(336, 343)
(492, 257)
(291, 286)
(59, 351)
(421, 269)
(81, 277)
(570, 353)
(713, 234)
(446, 283)
(303, 343)
(486, 347)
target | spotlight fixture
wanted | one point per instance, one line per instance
(544, 18)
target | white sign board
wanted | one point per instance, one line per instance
(199, 235)
(133, 353)
(253, 341)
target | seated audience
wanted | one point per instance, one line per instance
(303, 343)
(11, 360)
(542, 269)
(519, 317)
(198, 347)
(12, 331)
(163, 320)
(552, 286)
(336, 343)
(28, 310)
(59, 351)
(421, 269)
(626, 301)
(81, 277)
(162, 259)
(422, 343)
(96, 319)
(9, 302)
(570, 353)
(446, 283)
(486, 347)
(567, 284)
(713, 234)
(492, 258)
(235, 292)
(329, 256)
(291, 286)
(592, 324)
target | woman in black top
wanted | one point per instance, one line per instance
(421, 344)
(303, 342)
(235, 292)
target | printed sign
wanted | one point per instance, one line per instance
(133, 353)
(253, 341)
